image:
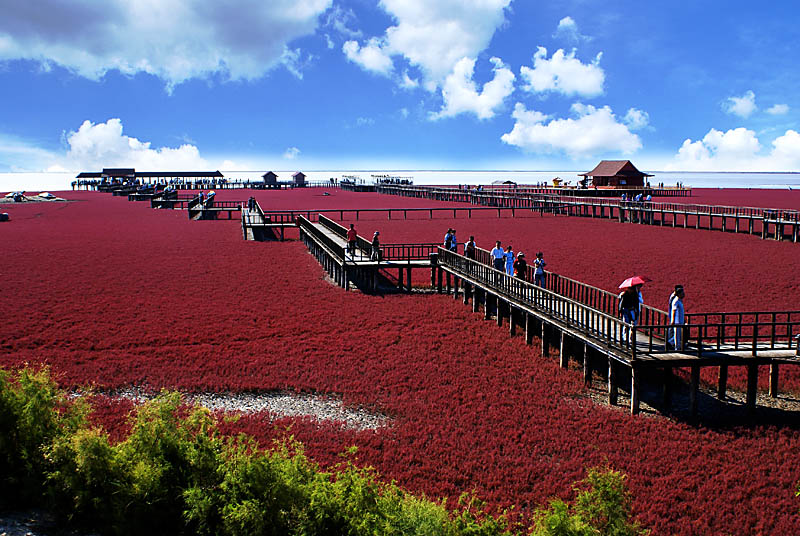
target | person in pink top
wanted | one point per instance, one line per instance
(352, 237)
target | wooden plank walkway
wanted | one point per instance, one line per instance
(570, 323)
(777, 224)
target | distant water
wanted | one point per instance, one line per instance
(61, 181)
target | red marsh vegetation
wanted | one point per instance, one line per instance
(112, 293)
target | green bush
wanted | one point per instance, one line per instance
(34, 413)
(176, 474)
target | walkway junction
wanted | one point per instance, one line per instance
(577, 319)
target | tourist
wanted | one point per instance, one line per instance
(510, 260)
(375, 255)
(453, 242)
(520, 266)
(352, 237)
(448, 239)
(628, 306)
(675, 339)
(469, 248)
(498, 256)
(539, 275)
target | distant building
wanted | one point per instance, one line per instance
(270, 177)
(299, 178)
(616, 173)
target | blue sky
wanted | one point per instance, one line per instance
(399, 84)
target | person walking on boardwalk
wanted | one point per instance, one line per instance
(448, 239)
(498, 257)
(469, 248)
(675, 339)
(521, 266)
(539, 275)
(453, 242)
(629, 306)
(352, 238)
(375, 255)
(510, 260)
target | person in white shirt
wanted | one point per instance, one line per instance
(498, 257)
(675, 339)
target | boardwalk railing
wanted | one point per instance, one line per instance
(607, 330)
(602, 300)
(334, 247)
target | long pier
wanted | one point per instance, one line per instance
(777, 224)
(578, 319)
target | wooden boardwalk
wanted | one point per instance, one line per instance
(580, 329)
(777, 224)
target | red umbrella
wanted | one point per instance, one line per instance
(635, 280)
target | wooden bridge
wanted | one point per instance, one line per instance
(777, 224)
(582, 320)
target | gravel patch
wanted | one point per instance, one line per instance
(325, 409)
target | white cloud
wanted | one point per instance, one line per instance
(404, 113)
(407, 82)
(568, 30)
(593, 131)
(778, 109)
(743, 106)
(365, 121)
(291, 153)
(94, 146)
(340, 20)
(563, 73)
(434, 36)
(173, 39)
(461, 95)
(737, 150)
(636, 119)
(372, 56)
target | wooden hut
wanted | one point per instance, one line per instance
(270, 177)
(299, 179)
(616, 173)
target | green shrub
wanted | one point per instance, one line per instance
(602, 507)
(175, 474)
(33, 414)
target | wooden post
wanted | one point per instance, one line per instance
(528, 328)
(613, 392)
(773, 380)
(512, 325)
(587, 369)
(439, 276)
(449, 283)
(434, 260)
(409, 278)
(475, 299)
(400, 278)
(722, 385)
(634, 390)
(456, 282)
(694, 388)
(752, 387)
(499, 310)
(466, 288)
(545, 345)
(486, 312)
(563, 356)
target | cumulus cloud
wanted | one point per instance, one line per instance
(738, 150)
(173, 39)
(291, 153)
(743, 106)
(592, 131)
(372, 56)
(778, 109)
(94, 146)
(563, 73)
(461, 95)
(636, 119)
(568, 30)
(407, 82)
(434, 36)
